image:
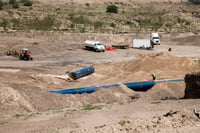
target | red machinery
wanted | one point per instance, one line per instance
(25, 54)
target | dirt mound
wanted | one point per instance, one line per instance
(25, 93)
(11, 101)
(46, 100)
(163, 64)
(165, 91)
(160, 62)
(192, 85)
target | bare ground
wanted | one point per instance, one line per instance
(27, 106)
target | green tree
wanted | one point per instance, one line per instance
(11, 2)
(15, 5)
(194, 1)
(112, 9)
(28, 3)
(1, 4)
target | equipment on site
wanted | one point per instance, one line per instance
(81, 73)
(147, 43)
(94, 45)
(142, 44)
(155, 39)
(25, 54)
(121, 46)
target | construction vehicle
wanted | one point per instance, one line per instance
(94, 45)
(25, 54)
(155, 39)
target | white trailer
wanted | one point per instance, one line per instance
(94, 45)
(142, 43)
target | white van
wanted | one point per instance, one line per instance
(94, 45)
(155, 39)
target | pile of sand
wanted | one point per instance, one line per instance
(11, 101)
(163, 64)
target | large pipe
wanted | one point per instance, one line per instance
(140, 86)
(81, 73)
(77, 90)
(136, 86)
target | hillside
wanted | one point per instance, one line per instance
(91, 16)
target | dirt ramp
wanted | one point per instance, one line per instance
(192, 85)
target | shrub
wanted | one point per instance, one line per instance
(15, 5)
(194, 1)
(11, 2)
(4, 23)
(80, 20)
(87, 4)
(23, 1)
(98, 24)
(28, 3)
(112, 25)
(91, 107)
(112, 9)
(46, 23)
(1, 5)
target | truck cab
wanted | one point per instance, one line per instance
(155, 39)
(94, 45)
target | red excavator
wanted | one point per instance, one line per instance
(25, 54)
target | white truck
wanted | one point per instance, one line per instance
(155, 39)
(94, 45)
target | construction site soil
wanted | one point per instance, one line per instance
(27, 106)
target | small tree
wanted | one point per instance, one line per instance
(112, 9)
(1, 4)
(15, 5)
(28, 3)
(11, 2)
(194, 1)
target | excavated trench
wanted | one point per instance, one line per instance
(192, 81)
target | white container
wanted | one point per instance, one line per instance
(142, 43)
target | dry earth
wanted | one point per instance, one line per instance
(27, 106)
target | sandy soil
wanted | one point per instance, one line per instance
(27, 106)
